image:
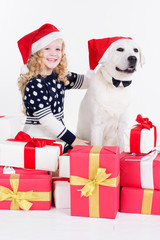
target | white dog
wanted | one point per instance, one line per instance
(103, 111)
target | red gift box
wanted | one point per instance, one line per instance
(11, 170)
(25, 192)
(142, 201)
(94, 181)
(140, 170)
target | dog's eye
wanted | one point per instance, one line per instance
(120, 49)
(135, 49)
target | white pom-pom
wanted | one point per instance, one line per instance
(90, 74)
(24, 69)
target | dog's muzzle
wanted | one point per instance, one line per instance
(132, 61)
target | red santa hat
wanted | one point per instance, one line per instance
(35, 41)
(98, 49)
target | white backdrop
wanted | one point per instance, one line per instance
(79, 21)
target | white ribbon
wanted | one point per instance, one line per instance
(146, 168)
(8, 170)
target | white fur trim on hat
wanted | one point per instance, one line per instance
(44, 41)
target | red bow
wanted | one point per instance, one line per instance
(35, 142)
(32, 143)
(144, 122)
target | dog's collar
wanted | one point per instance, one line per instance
(117, 82)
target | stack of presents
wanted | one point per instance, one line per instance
(93, 181)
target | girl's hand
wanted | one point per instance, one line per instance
(78, 141)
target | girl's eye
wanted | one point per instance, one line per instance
(46, 48)
(58, 49)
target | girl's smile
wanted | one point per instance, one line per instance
(52, 55)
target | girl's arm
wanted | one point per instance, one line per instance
(57, 128)
(77, 81)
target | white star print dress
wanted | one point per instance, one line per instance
(44, 102)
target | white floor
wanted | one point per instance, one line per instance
(58, 224)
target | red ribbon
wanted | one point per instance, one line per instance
(29, 148)
(61, 179)
(135, 135)
(1, 116)
(69, 151)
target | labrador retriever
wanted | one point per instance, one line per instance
(104, 109)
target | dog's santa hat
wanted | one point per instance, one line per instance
(35, 41)
(98, 48)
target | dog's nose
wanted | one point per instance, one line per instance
(132, 59)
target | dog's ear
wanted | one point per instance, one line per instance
(141, 58)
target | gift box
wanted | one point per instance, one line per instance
(11, 170)
(140, 170)
(142, 137)
(31, 153)
(94, 181)
(64, 165)
(61, 193)
(27, 192)
(142, 201)
(9, 126)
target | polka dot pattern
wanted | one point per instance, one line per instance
(47, 93)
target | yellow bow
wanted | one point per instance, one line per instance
(89, 187)
(21, 199)
(101, 178)
(18, 198)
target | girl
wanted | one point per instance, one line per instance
(43, 81)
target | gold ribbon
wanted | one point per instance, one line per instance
(97, 176)
(147, 201)
(21, 199)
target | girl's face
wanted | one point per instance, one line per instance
(52, 55)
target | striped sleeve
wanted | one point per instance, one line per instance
(43, 112)
(57, 128)
(75, 80)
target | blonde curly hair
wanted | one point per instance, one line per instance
(36, 67)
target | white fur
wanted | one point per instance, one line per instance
(103, 111)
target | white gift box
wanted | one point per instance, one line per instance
(64, 165)
(61, 193)
(146, 141)
(9, 126)
(142, 137)
(12, 154)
